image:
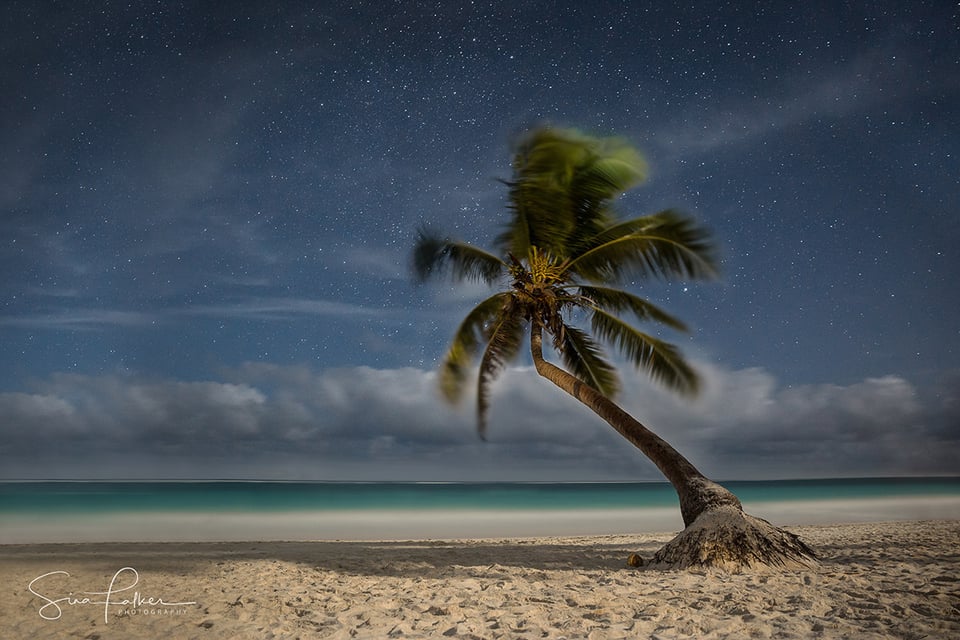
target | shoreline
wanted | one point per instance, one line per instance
(875, 580)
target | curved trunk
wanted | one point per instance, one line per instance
(696, 492)
(717, 532)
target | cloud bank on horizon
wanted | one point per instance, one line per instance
(289, 422)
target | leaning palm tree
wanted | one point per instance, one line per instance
(558, 261)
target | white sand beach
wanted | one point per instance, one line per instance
(875, 580)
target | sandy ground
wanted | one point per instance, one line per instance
(891, 580)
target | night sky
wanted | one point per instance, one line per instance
(207, 213)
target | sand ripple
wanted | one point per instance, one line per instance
(896, 580)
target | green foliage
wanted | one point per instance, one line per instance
(664, 245)
(562, 247)
(662, 361)
(466, 344)
(432, 254)
(584, 358)
(505, 336)
(619, 301)
(562, 189)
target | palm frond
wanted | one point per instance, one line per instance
(618, 301)
(466, 344)
(454, 373)
(614, 167)
(585, 359)
(562, 183)
(433, 253)
(543, 216)
(660, 360)
(543, 164)
(505, 337)
(515, 237)
(663, 245)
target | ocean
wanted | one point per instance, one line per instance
(61, 511)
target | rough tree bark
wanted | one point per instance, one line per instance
(717, 534)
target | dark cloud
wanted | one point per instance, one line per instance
(292, 421)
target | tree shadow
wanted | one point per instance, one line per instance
(435, 558)
(450, 559)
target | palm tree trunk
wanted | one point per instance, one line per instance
(696, 492)
(717, 532)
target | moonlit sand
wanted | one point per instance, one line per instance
(875, 580)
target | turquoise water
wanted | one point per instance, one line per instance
(28, 498)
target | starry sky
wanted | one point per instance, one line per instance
(207, 213)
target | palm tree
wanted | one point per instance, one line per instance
(558, 260)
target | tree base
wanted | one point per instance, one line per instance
(728, 539)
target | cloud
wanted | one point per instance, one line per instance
(272, 421)
(859, 84)
(80, 319)
(745, 425)
(283, 309)
(256, 308)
